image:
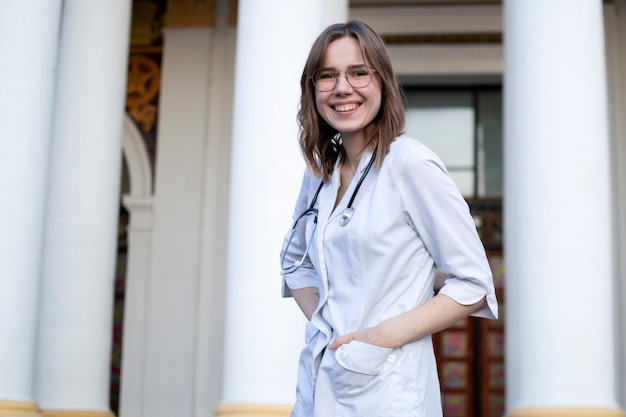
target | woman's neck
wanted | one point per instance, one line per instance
(354, 146)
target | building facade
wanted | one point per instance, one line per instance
(149, 166)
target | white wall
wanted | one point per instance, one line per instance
(432, 59)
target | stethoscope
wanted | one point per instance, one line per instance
(346, 216)
(348, 212)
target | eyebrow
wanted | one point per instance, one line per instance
(349, 67)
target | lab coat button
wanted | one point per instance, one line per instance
(341, 354)
(391, 358)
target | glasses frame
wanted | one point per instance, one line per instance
(337, 74)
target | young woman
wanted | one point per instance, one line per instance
(376, 216)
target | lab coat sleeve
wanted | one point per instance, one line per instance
(305, 276)
(441, 217)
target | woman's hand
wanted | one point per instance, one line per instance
(371, 335)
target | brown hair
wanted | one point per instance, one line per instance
(316, 136)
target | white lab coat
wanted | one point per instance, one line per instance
(409, 219)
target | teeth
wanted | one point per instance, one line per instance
(345, 107)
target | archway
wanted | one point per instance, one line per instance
(137, 202)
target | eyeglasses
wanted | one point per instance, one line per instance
(300, 224)
(325, 79)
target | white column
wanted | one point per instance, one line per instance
(615, 29)
(559, 312)
(263, 333)
(74, 343)
(210, 324)
(172, 300)
(28, 47)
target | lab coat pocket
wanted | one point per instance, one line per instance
(359, 369)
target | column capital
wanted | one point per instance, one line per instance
(141, 211)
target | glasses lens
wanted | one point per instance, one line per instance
(324, 79)
(359, 77)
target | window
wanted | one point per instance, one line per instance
(464, 127)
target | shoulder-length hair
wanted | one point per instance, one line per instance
(315, 136)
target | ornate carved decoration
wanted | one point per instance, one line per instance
(142, 87)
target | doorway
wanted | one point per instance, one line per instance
(463, 125)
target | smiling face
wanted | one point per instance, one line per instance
(347, 109)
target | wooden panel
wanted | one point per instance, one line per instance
(455, 363)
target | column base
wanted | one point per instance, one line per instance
(19, 409)
(252, 410)
(76, 413)
(566, 412)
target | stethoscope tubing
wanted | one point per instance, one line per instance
(346, 216)
(347, 213)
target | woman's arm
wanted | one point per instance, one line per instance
(437, 314)
(307, 299)
(304, 278)
(442, 220)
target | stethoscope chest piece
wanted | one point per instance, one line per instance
(346, 216)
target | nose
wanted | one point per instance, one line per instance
(343, 85)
